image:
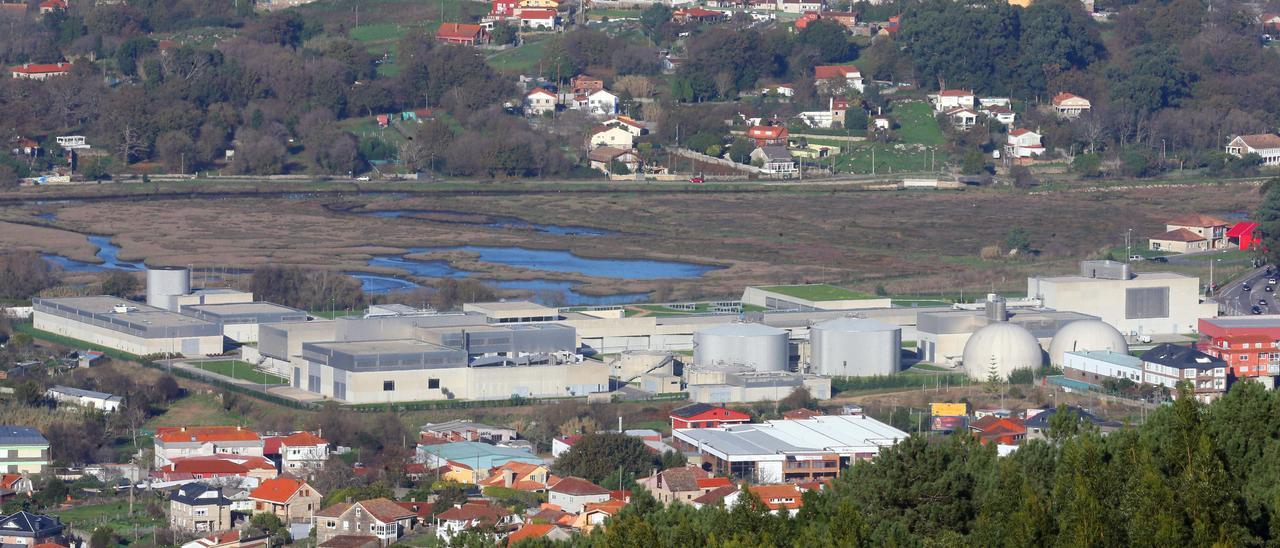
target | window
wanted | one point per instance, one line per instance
(201, 512)
(388, 386)
(1244, 357)
(433, 383)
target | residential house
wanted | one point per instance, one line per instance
(1270, 22)
(534, 531)
(697, 15)
(539, 19)
(837, 79)
(962, 118)
(949, 99)
(780, 498)
(176, 442)
(1266, 145)
(601, 103)
(522, 476)
(502, 9)
(230, 539)
(780, 90)
(470, 515)
(50, 6)
(572, 493)
(824, 119)
(1070, 105)
(256, 469)
(768, 135)
(681, 484)
(539, 102)
(701, 415)
(290, 500)
(199, 508)
(714, 496)
(1037, 421)
(24, 146)
(596, 513)
(380, 518)
(1168, 364)
(23, 450)
(303, 451)
(88, 399)
(585, 85)
(561, 444)
(774, 160)
(1023, 143)
(846, 19)
(29, 530)
(40, 71)
(1212, 229)
(881, 123)
(462, 33)
(798, 6)
(470, 461)
(603, 159)
(1178, 240)
(17, 484)
(630, 125)
(999, 430)
(1000, 113)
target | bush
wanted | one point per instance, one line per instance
(1087, 165)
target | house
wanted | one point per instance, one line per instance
(768, 135)
(534, 531)
(462, 34)
(459, 458)
(522, 476)
(23, 450)
(962, 118)
(847, 19)
(628, 124)
(602, 103)
(502, 9)
(561, 444)
(950, 99)
(217, 466)
(798, 6)
(572, 493)
(1212, 229)
(29, 530)
(1266, 145)
(303, 451)
(774, 159)
(1270, 22)
(701, 415)
(585, 85)
(596, 513)
(1179, 240)
(290, 500)
(38, 71)
(50, 6)
(470, 515)
(1000, 113)
(230, 539)
(1070, 105)
(1037, 421)
(999, 430)
(837, 79)
(603, 159)
(1168, 364)
(535, 19)
(780, 498)
(539, 102)
(697, 15)
(380, 518)
(176, 442)
(714, 496)
(780, 90)
(17, 483)
(1247, 345)
(87, 399)
(881, 123)
(23, 146)
(681, 484)
(1023, 143)
(199, 508)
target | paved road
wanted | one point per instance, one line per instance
(1234, 300)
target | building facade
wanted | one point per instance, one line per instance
(198, 508)
(23, 450)
(1142, 303)
(1250, 345)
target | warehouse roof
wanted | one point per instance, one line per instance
(380, 347)
(835, 433)
(21, 435)
(102, 309)
(1110, 357)
(1271, 321)
(81, 393)
(253, 312)
(479, 455)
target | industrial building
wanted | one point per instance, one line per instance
(999, 349)
(737, 384)
(855, 347)
(1246, 343)
(124, 325)
(1135, 303)
(942, 336)
(807, 297)
(240, 321)
(788, 450)
(1086, 335)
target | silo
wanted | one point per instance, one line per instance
(165, 284)
(855, 347)
(754, 345)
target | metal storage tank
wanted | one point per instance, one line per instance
(855, 347)
(1084, 335)
(754, 345)
(165, 284)
(1001, 348)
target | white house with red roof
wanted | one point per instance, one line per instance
(539, 101)
(302, 451)
(571, 494)
(1266, 145)
(188, 441)
(1024, 143)
(963, 118)
(50, 6)
(39, 71)
(780, 498)
(561, 444)
(838, 78)
(635, 128)
(610, 136)
(472, 514)
(1192, 232)
(254, 468)
(951, 99)
(538, 19)
(702, 415)
(1070, 106)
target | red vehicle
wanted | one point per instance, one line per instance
(697, 179)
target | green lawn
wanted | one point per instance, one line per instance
(520, 59)
(917, 124)
(890, 158)
(818, 292)
(114, 514)
(237, 369)
(377, 33)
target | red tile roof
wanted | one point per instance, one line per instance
(458, 31)
(37, 68)
(776, 497)
(697, 12)
(714, 483)
(578, 487)
(334, 511)
(277, 490)
(1180, 235)
(537, 14)
(1196, 220)
(53, 4)
(1261, 141)
(955, 93)
(271, 445)
(830, 72)
(202, 434)
(218, 464)
(756, 132)
(531, 531)
(386, 510)
(716, 495)
(1019, 132)
(8, 480)
(299, 439)
(422, 509)
(1064, 96)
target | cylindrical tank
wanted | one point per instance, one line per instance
(996, 311)
(855, 347)
(165, 284)
(754, 345)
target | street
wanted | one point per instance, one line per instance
(1234, 300)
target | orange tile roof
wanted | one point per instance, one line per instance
(385, 510)
(531, 531)
(712, 483)
(954, 93)
(578, 487)
(278, 490)
(611, 506)
(37, 68)
(828, 72)
(7, 480)
(1064, 97)
(1179, 235)
(458, 31)
(776, 496)
(218, 464)
(1261, 141)
(303, 438)
(202, 434)
(1196, 220)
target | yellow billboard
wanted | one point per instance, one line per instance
(949, 409)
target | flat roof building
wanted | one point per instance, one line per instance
(241, 321)
(513, 311)
(126, 325)
(1134, 303)
(942, 335)
(810, 297)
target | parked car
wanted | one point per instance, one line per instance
(697, 179)
(1160, 259)
(1136, 257)
(1255, 310)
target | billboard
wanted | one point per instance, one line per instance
(948, 409)
(948, 424)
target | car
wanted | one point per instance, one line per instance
(1269, 288)
(362, 178)
(1262, 302)
(1160, 259)
(697, 179)
(1255, 310)
(1272, 281)
(1136, 257)
(1245, 287)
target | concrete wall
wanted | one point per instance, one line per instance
(199, 346)
(463, 383)
(1106, 300)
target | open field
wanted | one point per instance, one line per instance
(237, 369)
(523, 59)
(114, 514)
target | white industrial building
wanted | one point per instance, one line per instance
(124, 325)
(240, 321)
(942, 335)
(1083, 336)
(737, 384)
(87, 399)
(752, 345)
(1134, 303)
(855, 347)
(1095, 366)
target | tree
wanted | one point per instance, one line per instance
(800, 398)
(1268, 217)
(503, 34)
(1017, 239)
(102, 537)
(1087, 165)
(120, 284)
(272, 526)
(595, 456)
(829, 39)
(974, 163)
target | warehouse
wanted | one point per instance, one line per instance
(788, 450)
(127, 326)
(744, 385)
(1135, 303)
(240, 321)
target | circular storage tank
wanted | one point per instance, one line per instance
(754, 345)
(165, 285)
(855, 347)
(1083, 335)
(1003, 348)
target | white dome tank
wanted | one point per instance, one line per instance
(1082, 335)
(1002, 347)
(855, 347)
(754, 345)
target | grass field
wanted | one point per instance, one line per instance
(917, 124)
(112, 514)
(382, 32)
(237, 369)
(818, 292)
(521, 59)
(199, 409)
